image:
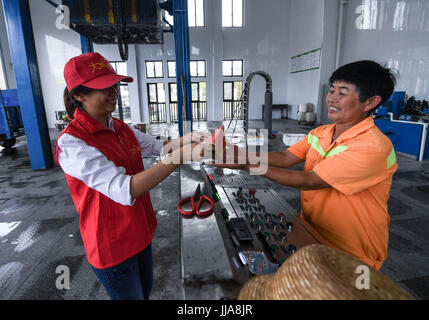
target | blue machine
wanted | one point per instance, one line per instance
(11, 125)
(406, 136)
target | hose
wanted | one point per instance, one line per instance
(118, 13)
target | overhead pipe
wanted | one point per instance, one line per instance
(339, 33)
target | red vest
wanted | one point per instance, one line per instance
(111, 232)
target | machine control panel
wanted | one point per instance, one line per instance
(257, 220)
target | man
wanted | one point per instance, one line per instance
(348, 165)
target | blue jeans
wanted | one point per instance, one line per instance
(131, 279)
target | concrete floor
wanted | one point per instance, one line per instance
(39, 227)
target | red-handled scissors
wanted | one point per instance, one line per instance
(199, 204)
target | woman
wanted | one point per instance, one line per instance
(102, 159)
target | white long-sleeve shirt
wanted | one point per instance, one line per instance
(89, 165)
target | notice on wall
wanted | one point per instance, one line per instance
(306, 61)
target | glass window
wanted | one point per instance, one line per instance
(171, 65)
(173, 92)
(195, 93)
(2, 75)
(201, 68)
(232, 13)
(237, 13)
(152, 92)
(227, 68)
(238, 89)
(237, 68)
(196, 13)
(161, 92)
(154, 69)
(226, 13)
(203, 91)
(198, 68)
(227, 91)
(232, 68)
(193, 66)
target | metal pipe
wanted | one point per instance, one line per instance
(339, 33)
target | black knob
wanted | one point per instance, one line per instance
(291, 248)
(289, 226)
(283, 236)
(253, 216)
(267, 217)
(275, 225)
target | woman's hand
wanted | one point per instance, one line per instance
(234, 158)
(192, 137)
(193, 152)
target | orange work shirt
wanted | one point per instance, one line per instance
(359, 165)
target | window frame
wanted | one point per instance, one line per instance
(232, 68)
(168, 69)
(196, 62)
(120, 103)
(154, 69)
(232, 100)
(232, 16)
(149, 103)
(195, 15)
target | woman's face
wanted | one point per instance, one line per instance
(100, 102)
(344, 106)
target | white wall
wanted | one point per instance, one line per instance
(305, 34)
(273, 32)
(393, 32)
(54, 48)
(262, 45)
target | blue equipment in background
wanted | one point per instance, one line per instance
(11, 125)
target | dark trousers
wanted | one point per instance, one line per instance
(131, 279)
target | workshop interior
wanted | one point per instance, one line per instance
(256, 72)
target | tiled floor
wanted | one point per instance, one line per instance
(39, 227)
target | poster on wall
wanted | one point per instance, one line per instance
(306, 61)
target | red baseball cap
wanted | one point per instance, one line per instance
(91, 70)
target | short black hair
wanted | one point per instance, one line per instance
(370, 79)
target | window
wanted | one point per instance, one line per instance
(122, 111)
(171, 66)
(156, 102)
(172, 91)
(198, 68)
(232, 13)
(232, 91)
(232, 68)
(195, 14)
(2, 74)
(154, 69)
(199, 101)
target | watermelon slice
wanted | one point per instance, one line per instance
(217, 138)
